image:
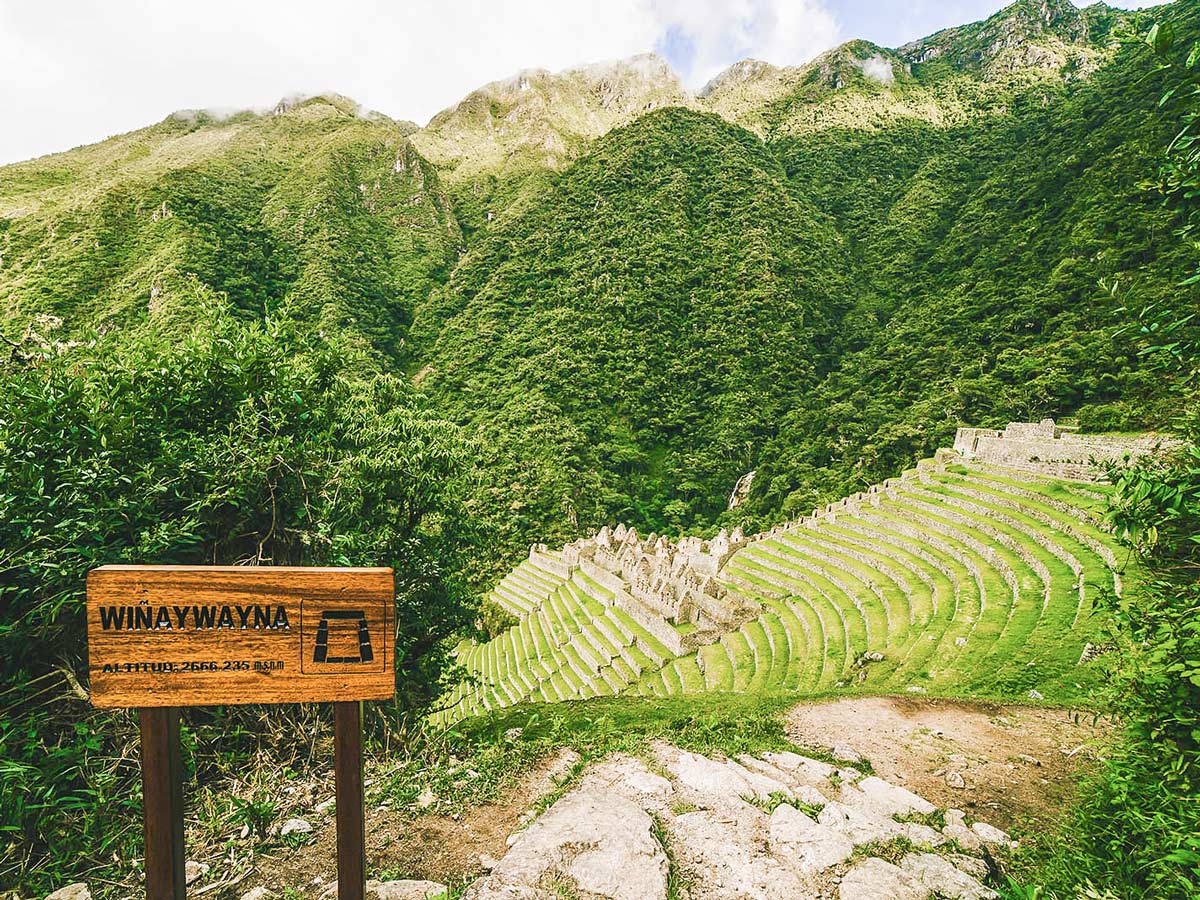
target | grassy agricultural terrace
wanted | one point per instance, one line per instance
(954, 579)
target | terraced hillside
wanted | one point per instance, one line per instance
(957, 578)
(950, 580)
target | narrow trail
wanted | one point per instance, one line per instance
(1020, 765)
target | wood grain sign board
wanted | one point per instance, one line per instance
(216, 635)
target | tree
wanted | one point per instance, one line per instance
(197, 438)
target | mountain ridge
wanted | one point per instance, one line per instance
(501, 291)
(645, 81)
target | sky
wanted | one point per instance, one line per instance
(76, 71)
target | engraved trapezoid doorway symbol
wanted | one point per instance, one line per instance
(344, 618)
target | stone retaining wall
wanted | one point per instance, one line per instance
(540, 556)
(1044, 448)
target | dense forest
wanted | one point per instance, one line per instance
(819, 290)
(298, 338)
(664, 316)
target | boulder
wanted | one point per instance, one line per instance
(762, 767)
(763, 785)
(860, 825)
(972, 865)
(193, 870)
(877, 879)
(647, 783)
(716, 783)
(726, 857)
(260, 893)
(963, 836)
(921, 835)
(945, 880)
(404, 890)
(990, 834)
(629, 776)
(804, 770)
(809, 845)
(295, 826)
(893, 800)
(846, 753)
(77, 891)
(597, 839)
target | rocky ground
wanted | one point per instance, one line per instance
(780, 825)
(1016, 766)
(912, 807)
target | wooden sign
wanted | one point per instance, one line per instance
(209, 635)
(161, 637)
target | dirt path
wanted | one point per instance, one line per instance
(442, 848)
(1020, 765)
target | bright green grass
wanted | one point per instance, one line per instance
(718, 673)
(854, 579)
(926, 578)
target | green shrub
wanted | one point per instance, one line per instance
(1137, 829)
(494, 618)
(195, 438)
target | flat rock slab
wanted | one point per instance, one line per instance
(708, 781)
(941, 877)
(892, 799)
(404, 890)
(877, 879)
(726, 859)
(808, 845)
(735, 830)
(599, 843)
(77, 891)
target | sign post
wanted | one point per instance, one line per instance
(162, 637)
(347, 773)
(162, 793)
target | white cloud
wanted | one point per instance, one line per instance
(79, 71)
(719, 32)
(878, 69)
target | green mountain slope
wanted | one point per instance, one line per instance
(688, 302)
(897, 241)
(496, 145)
(315, 208)
(624, 343)
(994, 258)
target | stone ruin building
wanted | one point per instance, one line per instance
(660, 583)
(1045, 448)
(675, 589)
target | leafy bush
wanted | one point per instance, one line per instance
(1137, 830)
(195, 438)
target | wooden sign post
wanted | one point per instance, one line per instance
(162, 637)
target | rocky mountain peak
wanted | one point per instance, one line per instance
(738, 73)
(647, 68)
(840, 66)
(541, 115)
(1059, 16)
(1028, 34)
(325, 104)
